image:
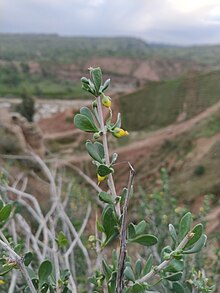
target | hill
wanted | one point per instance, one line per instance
(23, 47)
(161, 103)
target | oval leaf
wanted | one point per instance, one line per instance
(198, 231)
(174, 277)
(198, 245)
(84, 123)
(93, 152)
(104, 170)
(28, 258)
(44, 271)
(185, 224)
(148, 265)
(140, 228)
(129, 274)
(86, 112)
(104, 196)
(178, 287)
(5, 212)
(173, 233)
(96, 74)
(100, 149)
(145, 239)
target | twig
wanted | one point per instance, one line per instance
(123, 232)
(165, 263)
(20, 264)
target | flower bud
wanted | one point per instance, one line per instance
(106, 101)
(96, 135)
(119, 132)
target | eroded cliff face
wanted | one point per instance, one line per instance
(27, 136)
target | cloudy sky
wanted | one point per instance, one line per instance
(162, 21)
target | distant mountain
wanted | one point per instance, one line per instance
(23, 47)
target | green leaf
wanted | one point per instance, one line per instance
(86, 112)
(104, 170)
(198, 231)
(109, 223)
(93, 152)
(1, 204)
(6, 270)
(145, 239)
(174, 277)
(178, 288)
(104, 196)
(85, 80)
(117, 123)
(131, 231)
(5, 212)
(100, 149)
(148, 265)
(44, 271)
(140, 228)
(96, 75)
(18, 248)
(185, 224)
(173, 233)
(105, 85)
(106, 269)
(61, 240)
(84, 123)
(112, 283)
(128, 273)
(197, 246)
(175, 266)
(28, 257)
(138, 288)
(138, 268)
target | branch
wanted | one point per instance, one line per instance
(165, 263)
(20, 264)
(123, 233)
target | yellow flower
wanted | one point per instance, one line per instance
(106, 101)
(101, 178)
(2, 282)
(119, 132)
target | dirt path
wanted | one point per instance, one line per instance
(141, 148)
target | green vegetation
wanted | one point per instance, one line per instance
(160, 103)
(27, 107)
(76, 49)
(15, 79)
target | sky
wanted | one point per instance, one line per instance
(181, 22)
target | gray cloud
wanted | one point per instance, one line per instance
(157, 20)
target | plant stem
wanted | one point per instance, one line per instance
(165, 263)
(105, 146)
(123, 234)
(20, 264)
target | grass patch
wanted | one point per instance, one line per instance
(160, 103)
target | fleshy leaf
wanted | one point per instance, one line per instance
(197, 231)
(185, 224)
(84, 123)
(104, 170)
(96, 75)
(93, 151)
(145, 239)
(197, 246)
(105, 197)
